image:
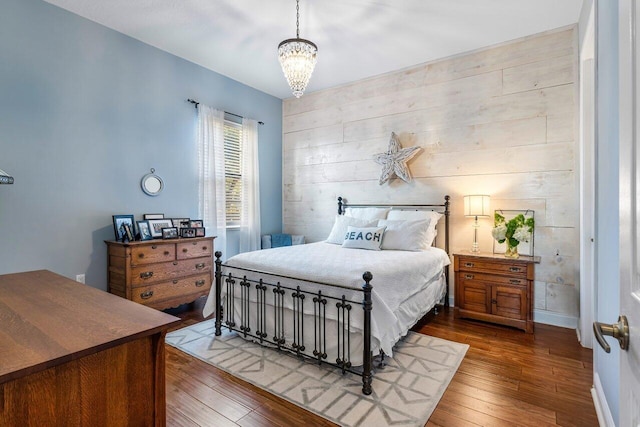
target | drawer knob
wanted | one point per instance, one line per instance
(468, 264)
(175, 282)
(468, 276)
(494, 301)
(204, 248)
(185, 250)
(146, 295)
(140, 255)
(200, 266)
(515, 269)
(199, 283)
(146, 274)
(154, 246)
(515, 281)
(175, 262)
(194, 243)
(166, 253)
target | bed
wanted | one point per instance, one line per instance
(337, 304)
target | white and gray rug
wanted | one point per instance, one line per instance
(405, 392)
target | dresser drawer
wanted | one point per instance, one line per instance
(488, 278)
(513, 269)
(142, 275)
(153, 253)
(151, 294)
(200, 248)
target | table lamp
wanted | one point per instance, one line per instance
(476, 205)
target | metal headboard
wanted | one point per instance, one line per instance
(442, 208)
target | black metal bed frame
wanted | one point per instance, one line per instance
(320, 301)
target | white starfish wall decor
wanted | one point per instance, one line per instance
(394, 161)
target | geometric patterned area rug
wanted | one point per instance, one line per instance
(405, 391)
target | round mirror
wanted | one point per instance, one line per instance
(152, 184)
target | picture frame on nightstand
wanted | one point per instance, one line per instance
(524, 248)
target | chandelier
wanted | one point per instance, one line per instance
(297, 58)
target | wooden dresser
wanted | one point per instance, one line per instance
(72, 355)
(161, 273)
(495, 289)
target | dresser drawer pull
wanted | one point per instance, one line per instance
(166, 253)
(146, 275)
(154, 246)
(200, 266)
(185, 250)
(194, 243)
(515, 281)
(494, 301)
(204, 248)
(468, 264)
(175, 262)
(175, 282)
(515, 269)
(468, 276)
(146, 295)
(199, 283)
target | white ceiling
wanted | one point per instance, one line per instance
(355, 38)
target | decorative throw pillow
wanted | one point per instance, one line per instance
(415, 215)
(364, 238)
(405, 235)
(341, 224)
(367, 213)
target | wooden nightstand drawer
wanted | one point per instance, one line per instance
(503, 267)
(489, 278)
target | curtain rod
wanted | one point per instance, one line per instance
(196, 103)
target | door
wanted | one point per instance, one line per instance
(629, 18)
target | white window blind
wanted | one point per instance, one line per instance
(233, 171)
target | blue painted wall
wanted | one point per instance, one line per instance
(85, 112)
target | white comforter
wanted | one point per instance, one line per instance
(397, 276)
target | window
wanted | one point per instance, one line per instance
(233, 171)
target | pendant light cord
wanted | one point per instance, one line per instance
(297, 19)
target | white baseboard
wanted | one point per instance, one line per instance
(605, 419)
(555, 319)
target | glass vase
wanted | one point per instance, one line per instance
(512, 251)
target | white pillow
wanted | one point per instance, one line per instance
(414, 215)
(341, 224)
(364, 238)
(367, 213)
(406, 235)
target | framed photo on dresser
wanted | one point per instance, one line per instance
(156, 226)
(118, 225)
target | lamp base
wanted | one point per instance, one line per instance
(475, 248)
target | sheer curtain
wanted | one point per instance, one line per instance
(211, 182)
(250, 214)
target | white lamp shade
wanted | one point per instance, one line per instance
(476, 205)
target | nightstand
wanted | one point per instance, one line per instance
(496, 289)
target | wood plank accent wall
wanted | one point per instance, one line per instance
(498, 121)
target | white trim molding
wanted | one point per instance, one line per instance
(555, 319)
(605, 419)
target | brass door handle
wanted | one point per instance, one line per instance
(619, 331)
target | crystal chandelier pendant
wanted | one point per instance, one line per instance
(298, 59)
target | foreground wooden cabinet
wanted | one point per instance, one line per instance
(72, 355)
(161, 273)
(495, 289)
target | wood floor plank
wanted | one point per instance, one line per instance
(506, 378)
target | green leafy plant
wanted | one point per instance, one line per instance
(516, 230)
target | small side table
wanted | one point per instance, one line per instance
(495, 289)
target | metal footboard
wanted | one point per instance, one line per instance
(265, 294)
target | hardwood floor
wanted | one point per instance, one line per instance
(507, 378)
